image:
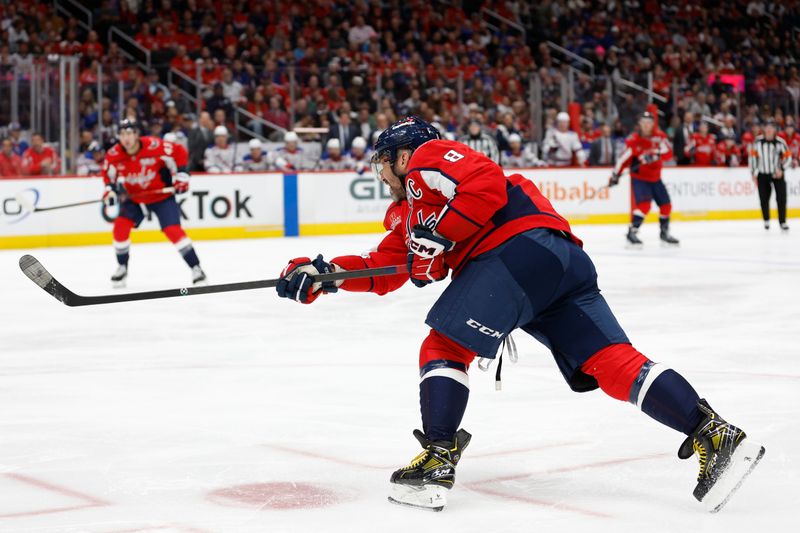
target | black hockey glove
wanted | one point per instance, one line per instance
(297, 280)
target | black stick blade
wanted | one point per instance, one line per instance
(32, 268)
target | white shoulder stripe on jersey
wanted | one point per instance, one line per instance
(170, 162)
(451, 373)
(437, 181)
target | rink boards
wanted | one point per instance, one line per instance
(221, 206)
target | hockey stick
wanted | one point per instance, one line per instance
(21, 200)
(32, 268)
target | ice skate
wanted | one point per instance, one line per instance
(198, 277)
(726, 457)
(119, 280)
(784, 226)
(425, 481)
(633, 238)
(668, 240)
(766, 224)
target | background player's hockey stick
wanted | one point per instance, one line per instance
(32, 268)
(28, 206)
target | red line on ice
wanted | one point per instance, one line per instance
(535, 501)
(90, 501)
(347, 462)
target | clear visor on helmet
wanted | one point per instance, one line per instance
(377, 161)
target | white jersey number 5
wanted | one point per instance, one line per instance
(453, 156)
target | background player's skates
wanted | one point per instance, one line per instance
(119, 279)
(726, 456)
(633, 238)
(198, 276)
(424, 483)
(667, 239)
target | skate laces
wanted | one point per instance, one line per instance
(418, 460)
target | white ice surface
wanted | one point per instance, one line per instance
(128, 417)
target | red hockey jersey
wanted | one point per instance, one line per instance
(465, 197)
(147, 171)
(702, 149)
(645, 156)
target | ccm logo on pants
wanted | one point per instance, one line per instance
(474, 324)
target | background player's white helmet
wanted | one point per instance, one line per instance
(360, 143)
(290, 137)
(254, 143)
(562, 117)
(333, 144)
(220, 131)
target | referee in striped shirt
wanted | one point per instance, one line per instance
(481, 141)
(769, 158)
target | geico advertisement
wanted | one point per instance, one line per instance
(326, 197)
(212, 201)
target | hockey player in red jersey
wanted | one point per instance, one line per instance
(645, 153)
(149, 172)
(701, 148)
(515, 263)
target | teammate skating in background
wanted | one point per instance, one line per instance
(136, 172)
(516, 264)
(645, 153)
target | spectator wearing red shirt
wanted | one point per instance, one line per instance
(728, 154)
(92, 46)
(183, 63)
(39, 159)
(10, 163)
(702, 147)
(792, 138)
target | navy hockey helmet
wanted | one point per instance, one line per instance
(410, 132)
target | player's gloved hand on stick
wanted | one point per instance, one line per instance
(180, 182)
(110, 196)
(614, 179)
(297, 280)
(426, 257)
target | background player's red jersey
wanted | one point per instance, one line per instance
(468, 199)
(150, 169)
(645, 156)
(703, 147)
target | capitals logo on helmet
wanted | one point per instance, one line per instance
(129, 124)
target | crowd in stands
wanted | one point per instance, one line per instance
(351, 68)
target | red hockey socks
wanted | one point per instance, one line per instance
(443, 386)
(122, 239)
(178, 237)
